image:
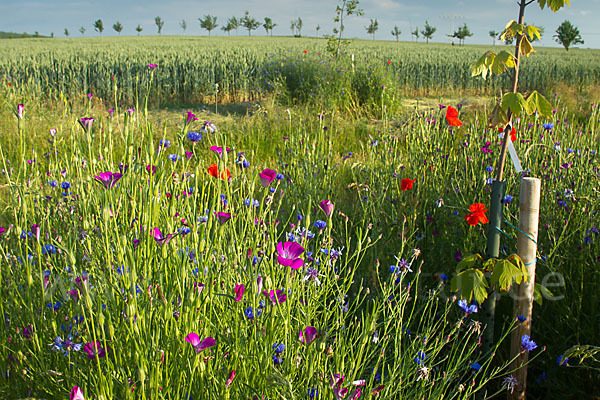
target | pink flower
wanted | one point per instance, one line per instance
(94, 349)
(356, 394)
(194, 340)
(151, 169)
(20, 111)
(223, 217)
(160, 239)
(309, 335)
(190, 117)
(219, 149)
(327, 207)
(267, 176)
(289, 253)
(230, 378)
(276, 296)
(259, 282)
(108, 179)
(239, 292)
(76, 394)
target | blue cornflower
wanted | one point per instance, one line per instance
(521, 318)
(249, 312)
(489, 169)
(444, 277)
(65, 185)
(53, 183)
(279, 176)
(245, 164)
(165, 143)
(48, 249)
(319, 224)
(278, 348)
(548, 125)
(277, 359)
(476, 366)
(194, 137)
(507, 199)
(54, 306)
(420, 358)
(173, 157)
(313, 393)
(527, 343)
(184, 230)
(468, 309)
(562, 360)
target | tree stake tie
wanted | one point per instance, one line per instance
(511, 149)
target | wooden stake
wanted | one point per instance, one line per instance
(529, 211)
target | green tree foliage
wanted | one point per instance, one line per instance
(372, 28)
(249, 23)
(99, 26)
(415, 33)
(269, 25)
(428, 31)
(567, 35)
(66, 32)
(396, 32)
(318, 28)
(462, 33)
(139, 29)
(494, 36)
(183, 25)
(82, 30)
(118, 27)
(159, 24)
(209, 22)
(344, 8)
(296, 27)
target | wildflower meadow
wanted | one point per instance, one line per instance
(299, 237)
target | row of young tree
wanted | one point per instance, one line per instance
(566, 34)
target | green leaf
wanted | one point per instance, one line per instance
(533, 32)
(502, 60)
(518, 261)
(515, 102)
(482, 65)
(539, 292)
(468, 262)
(536, 101)
(505, 274)
(470, 283)
(554, 5)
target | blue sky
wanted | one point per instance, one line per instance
(481, 16)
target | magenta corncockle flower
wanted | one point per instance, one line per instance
(276, 296)
(160, 239)
(2, 230)
(111, 113)
(309, 335)
(94, 349)
(81, 282)
(198, 345)
(74, 294)
(27, 332)
(35, 231)
(327, 207)
(86, 123)
(230, 378)
(190, 117)
(89, 96)
(239, 292)
(131, 111)
(151, 169)
(223, 217)
(200, 287)
(20, 111)
(219, 149)
(188, 155)
(76, 394)
(53, 132)
(152, 66)
(289, 253)
(108, 179)
(359, 382)
(267, 176)
(259, 283)
(336, 380)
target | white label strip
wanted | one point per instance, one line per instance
(512, 152)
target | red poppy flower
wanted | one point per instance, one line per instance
(452, 116)
(477, 214)
(513, 133)
(305, 51)
(389, 62)
(213, 171)
(407, 184)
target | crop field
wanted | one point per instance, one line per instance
(253, 218)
